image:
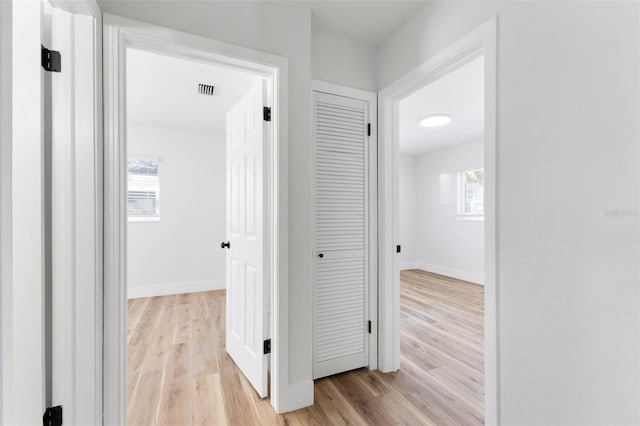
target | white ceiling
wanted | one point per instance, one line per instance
(460, 95)
(162, 91)
(369, 22)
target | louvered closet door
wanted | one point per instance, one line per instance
(340, 278)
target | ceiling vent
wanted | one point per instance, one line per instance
(206, 89)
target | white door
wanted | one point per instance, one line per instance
(341, 234)
(24, 389)
(247, 295)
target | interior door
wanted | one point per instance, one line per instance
(247, 295)
(340, 287)
(23, 358)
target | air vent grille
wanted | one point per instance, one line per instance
(206, 89)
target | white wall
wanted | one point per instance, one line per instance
(343, 61)
(180, 253)
(442, 243)
(568, 186)
(408, 211)
(6, 27)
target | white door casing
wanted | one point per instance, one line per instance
(76, 356)
(480, 41)
(247, 298)
(119, 34)
(341, 228)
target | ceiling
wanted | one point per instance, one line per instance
(369, 22)
(460, 95)
(162, 91)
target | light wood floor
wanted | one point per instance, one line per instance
(180, 374)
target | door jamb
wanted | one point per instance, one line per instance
(372, 99)
(76, 217)
(481, 41)
(120, 33)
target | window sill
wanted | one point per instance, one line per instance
(142, 219)
(469, 218)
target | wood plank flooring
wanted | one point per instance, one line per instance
(180, 374)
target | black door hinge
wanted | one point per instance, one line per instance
(266, 113)
(369, 129)
(53, 416)
(369, 327)
(398, 248)
(51, 60)
(266, 346)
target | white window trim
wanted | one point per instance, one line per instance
(461, 214)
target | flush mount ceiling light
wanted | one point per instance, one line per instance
(435, 121)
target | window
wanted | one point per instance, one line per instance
(471, 195)
(143, 194)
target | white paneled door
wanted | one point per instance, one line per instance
(341, 234)
(247, 295)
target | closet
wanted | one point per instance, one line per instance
(341, 233)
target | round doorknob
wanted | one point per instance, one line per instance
(225, 244)
(320, 255)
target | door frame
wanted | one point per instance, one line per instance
(481, 41)
(119, 34)
(76, 217)
(372, 99)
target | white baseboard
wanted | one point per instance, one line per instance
(137, 291)
(299, 395)
(409, 264)
(472, 277)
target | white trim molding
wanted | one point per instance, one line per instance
(472, 277)
(76, 218)
(153, 290)
(481, 41)
(79, 7)
(120, 34)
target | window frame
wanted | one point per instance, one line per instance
(143, 219)
(461, 213)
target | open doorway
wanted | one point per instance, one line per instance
(451, 180)
(441, 223)
(194, 236)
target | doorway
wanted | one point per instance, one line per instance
(138, 192)
(441, 221)
(479, 43)
(195, 270)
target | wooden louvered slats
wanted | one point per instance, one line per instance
(340, 204)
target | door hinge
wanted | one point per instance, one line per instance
(52, 416)
(266, 113)
(266, 346)
(368, 129)
(369, 327)
(398, 248)
(51, 60)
